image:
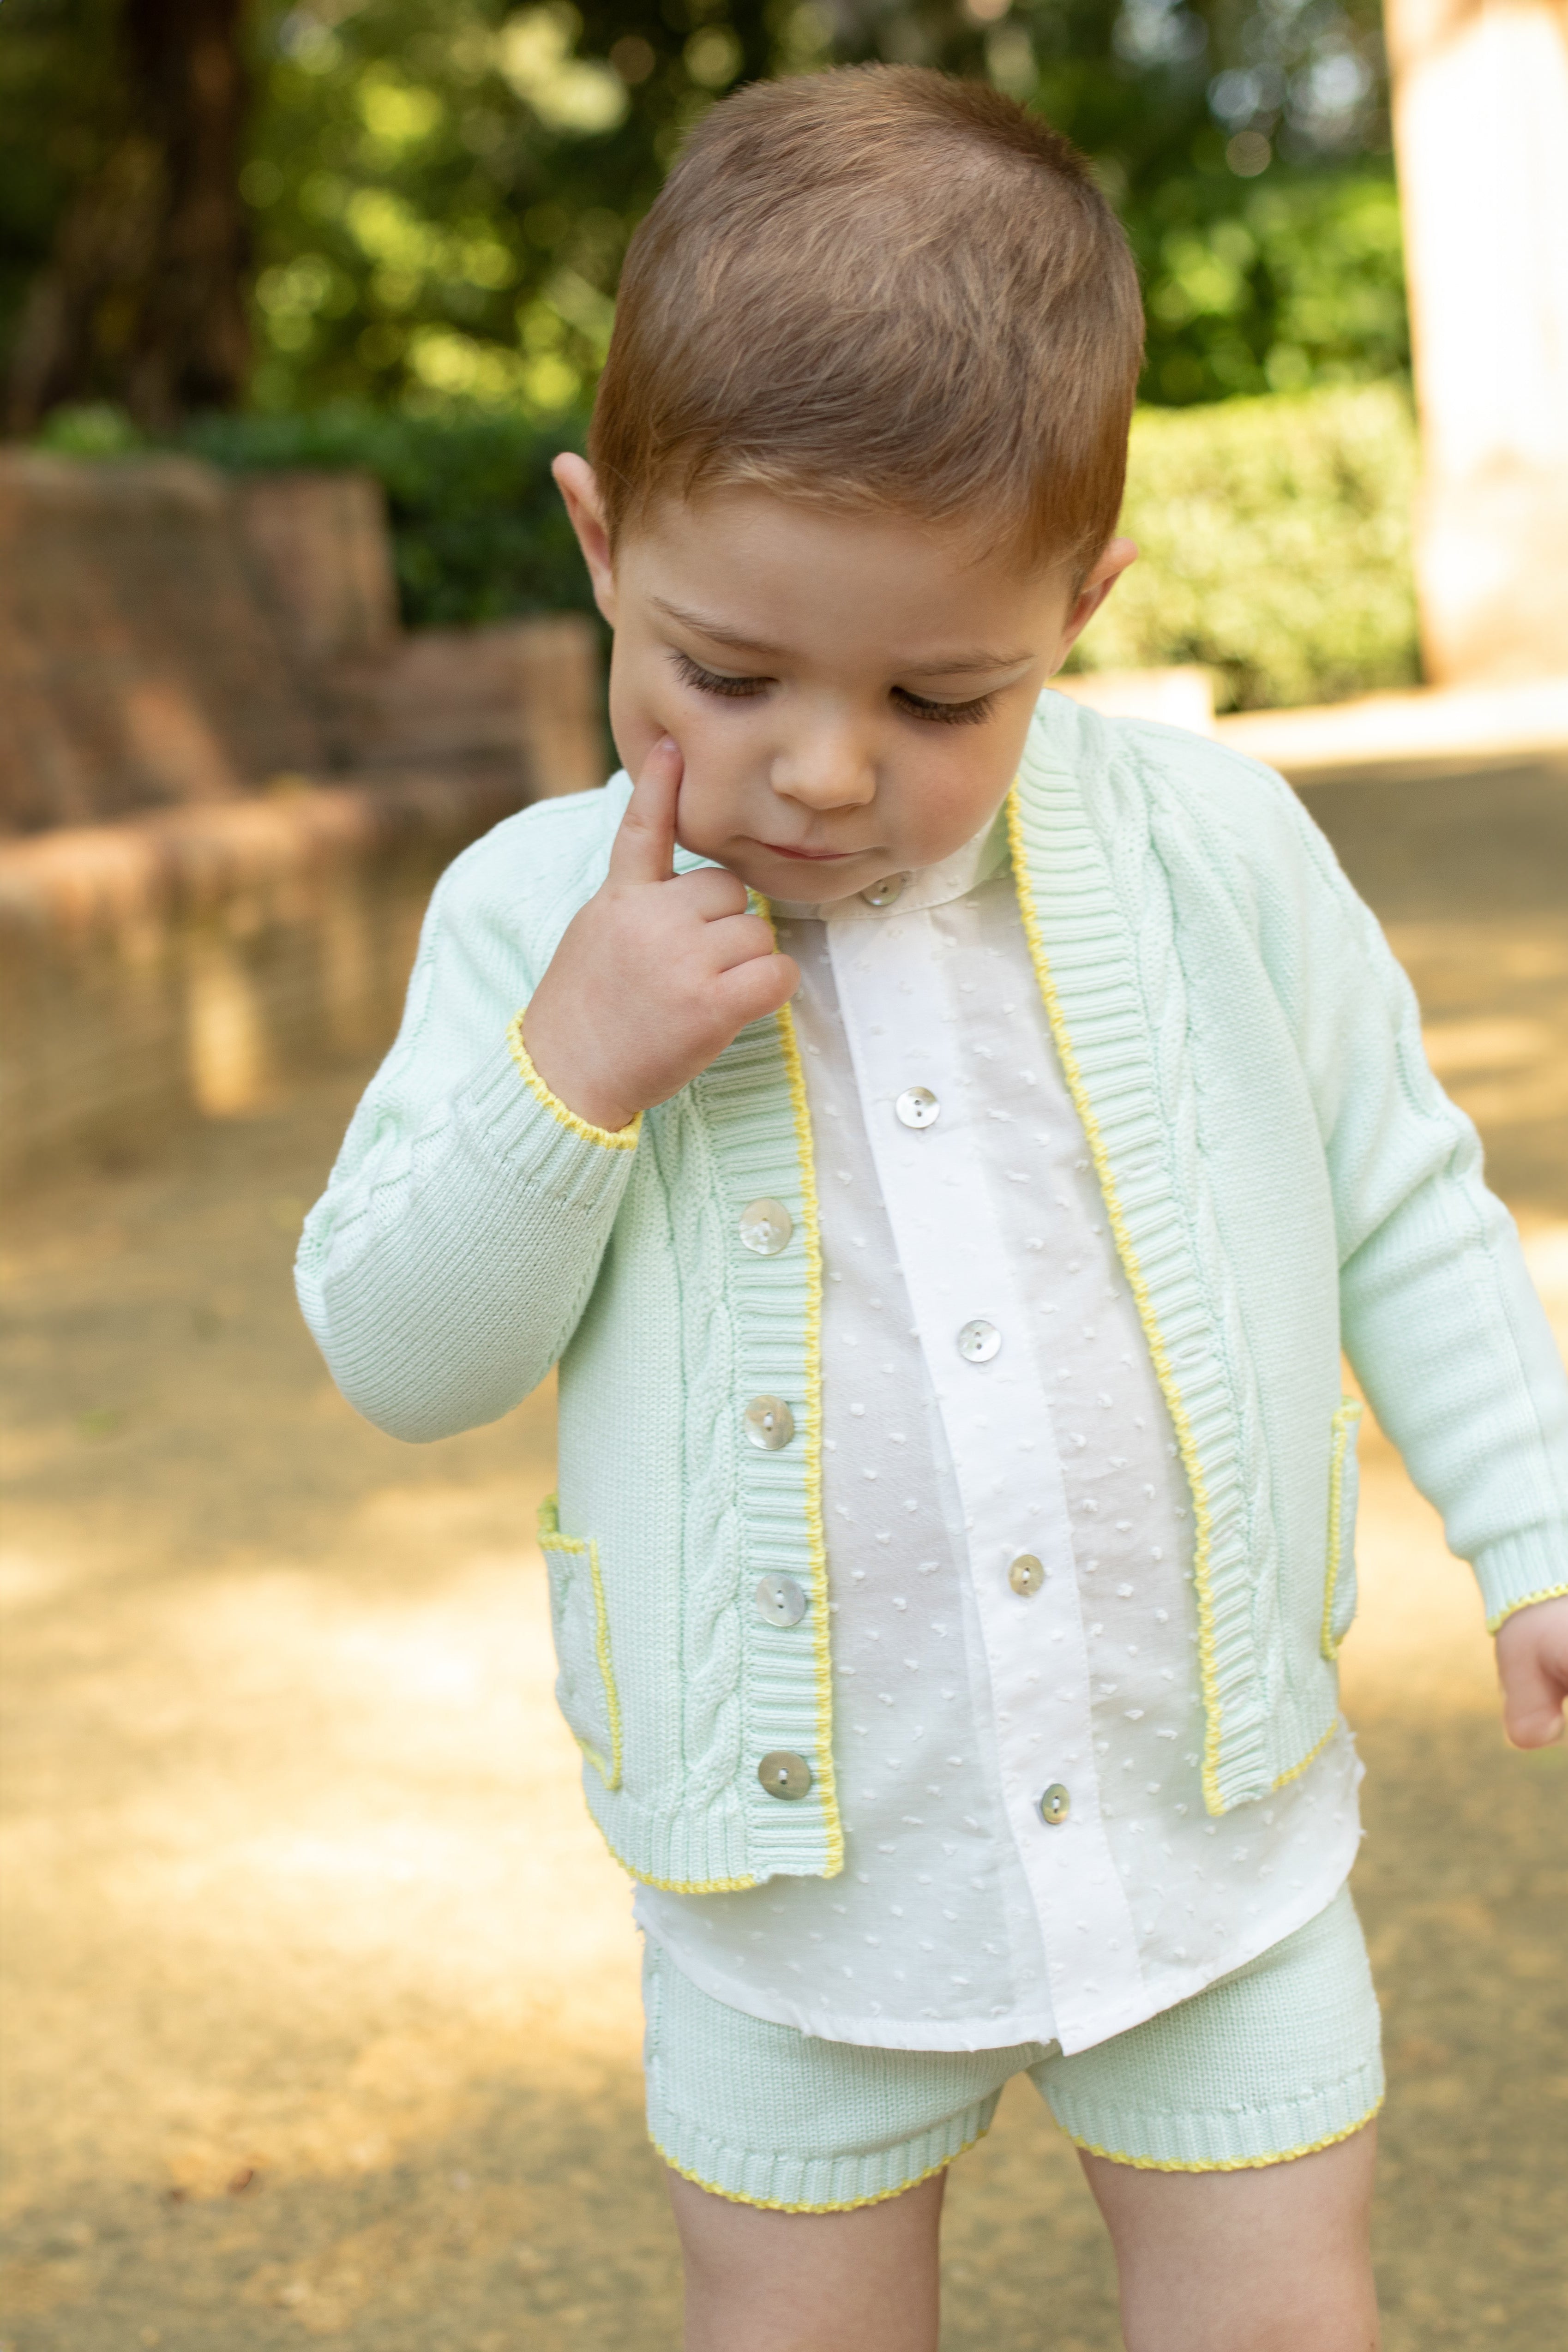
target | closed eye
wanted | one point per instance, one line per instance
(744, 689)
(945, 714)
(713, 681)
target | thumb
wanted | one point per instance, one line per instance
(644, 846)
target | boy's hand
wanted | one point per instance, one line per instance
(656, 974)
(1533, 1666)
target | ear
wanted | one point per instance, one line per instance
(575, 480)
(1101, 579)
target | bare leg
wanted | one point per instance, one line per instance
(756, 2281)
(1273, 2260)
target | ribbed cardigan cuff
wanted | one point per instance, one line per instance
(1519, 1568)
(562, 1158)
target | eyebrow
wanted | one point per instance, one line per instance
(974, 661)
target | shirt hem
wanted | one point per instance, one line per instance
(1018, 2027)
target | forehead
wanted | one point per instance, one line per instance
(769, 568)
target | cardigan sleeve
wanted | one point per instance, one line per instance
(1438, 1316)
(448, 1264)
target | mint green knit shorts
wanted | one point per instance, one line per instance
(1274, 2062)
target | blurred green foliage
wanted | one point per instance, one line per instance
(1273, 541)
(441, 190)
(440, 194)
(1274, 533)
(479, 531)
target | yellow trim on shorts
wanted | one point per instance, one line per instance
(1228, 2163)
(849, 2205)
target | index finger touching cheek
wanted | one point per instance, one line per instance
(644, 846)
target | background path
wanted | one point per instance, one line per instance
(322, 2010)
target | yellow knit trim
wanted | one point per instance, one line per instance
(614, 1139)
(551, 1539)
(849, 2205)
(1202, 1516)
(1315, 1751)
(1227, 2164)
(1548, 1592)
(1344, 1429)
(681, 1885)
(817, 1544)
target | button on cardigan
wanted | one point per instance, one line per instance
(1281, 1175)
(1027, 1849)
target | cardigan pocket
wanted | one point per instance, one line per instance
(1344, 1488)
(585, 1683)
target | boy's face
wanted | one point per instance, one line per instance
(849, 692)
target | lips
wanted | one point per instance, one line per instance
(814, 856)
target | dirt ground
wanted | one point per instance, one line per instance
(321, 2005)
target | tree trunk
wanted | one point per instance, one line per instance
(1480, 123)
(143, 299)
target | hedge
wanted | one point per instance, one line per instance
(478, 526)
(1274, 539)
(1275, 532)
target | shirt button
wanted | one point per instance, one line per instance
(765, 1227)
(1026, 1574)
(769, 1423)
(784, 1775)
(884, 893)
(1055, 1806)
(779, 1599)
(978, 1342)
(917, 1107)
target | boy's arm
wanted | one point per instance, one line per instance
(1439, 1318)
(447, 1265)
(449, 1261)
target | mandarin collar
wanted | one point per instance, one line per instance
(906, 894)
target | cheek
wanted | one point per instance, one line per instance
(638, 715)
(957, 785)
(647, 704)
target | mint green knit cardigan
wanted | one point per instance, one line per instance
(1282, 1174)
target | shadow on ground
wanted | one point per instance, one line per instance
(322, 2013)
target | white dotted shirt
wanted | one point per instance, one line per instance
(988, 1399)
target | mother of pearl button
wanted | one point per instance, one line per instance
(769, 1423)
(780, 1600)
(917, 1107)
(782, 1774)
(978, 1342)
(765, 1227)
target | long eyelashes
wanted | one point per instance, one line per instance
(743, 689)
(945, 714)
(708, 681)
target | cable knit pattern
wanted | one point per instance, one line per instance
(1283, 1171)
(712, 1533)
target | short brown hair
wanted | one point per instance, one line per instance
(878, 286)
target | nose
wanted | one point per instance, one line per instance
(827, 768)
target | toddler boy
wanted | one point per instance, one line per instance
(944, 1143)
